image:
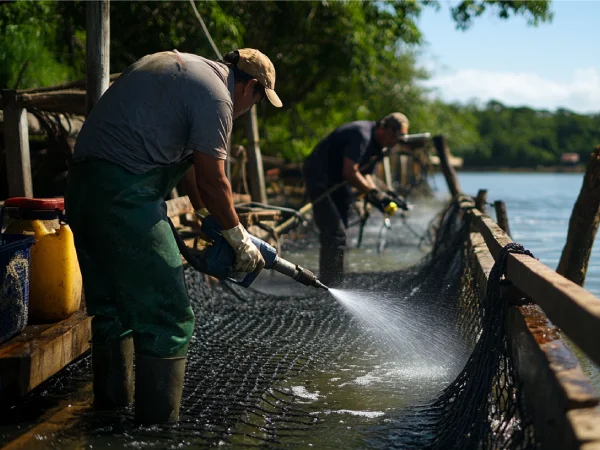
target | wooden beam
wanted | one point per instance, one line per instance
(583, 225)
(67, 101)
(97, 21)
(78, 84)
(183, 205)
(256, 172)
(16, 144)
(555, 386)
(444, 153)
(568, 305)
(41, 351)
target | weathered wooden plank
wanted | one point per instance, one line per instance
(66, 101)
(568, 305)
(553, 380)
(41, 351)
(16, 143)
(178, 206)
(78, 84)
(182, 205)
(97, 22)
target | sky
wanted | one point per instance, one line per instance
(553, 65)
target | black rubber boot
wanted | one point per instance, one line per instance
(112, 368)
(331, 266)
(158, 389)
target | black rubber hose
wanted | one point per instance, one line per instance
(193, 257)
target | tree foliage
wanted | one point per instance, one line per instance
(336, 61)
(524, 137)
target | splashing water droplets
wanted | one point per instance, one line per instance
(413, 334)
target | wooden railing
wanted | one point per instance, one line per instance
(560, 397)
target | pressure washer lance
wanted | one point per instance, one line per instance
(218, 258)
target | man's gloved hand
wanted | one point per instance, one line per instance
(379, 199)
(202, 213)
(247, 256)
(398, 199)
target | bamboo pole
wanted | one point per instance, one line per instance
(583, 225)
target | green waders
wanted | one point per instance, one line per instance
(133, 282)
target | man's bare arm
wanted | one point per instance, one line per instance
(191, 189)
(355, 178)
(214, 189)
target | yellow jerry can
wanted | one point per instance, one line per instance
(55, 286)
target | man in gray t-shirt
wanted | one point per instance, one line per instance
(165, 114)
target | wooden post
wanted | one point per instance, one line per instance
(404, 171)
(97, 22)
(583, 225)
(387, 172)
(481, 199)
(444, 153)
(16, 143)
(502, 216)
(256, 172)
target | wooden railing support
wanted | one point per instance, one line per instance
(16, 144)
(502, 216)
(444, 153)
(583, 225)
(481, 200)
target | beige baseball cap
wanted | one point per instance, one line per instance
(394, 120)
(259, 66)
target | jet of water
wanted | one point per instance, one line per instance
(406, 327)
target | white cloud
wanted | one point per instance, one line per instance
(580, 94)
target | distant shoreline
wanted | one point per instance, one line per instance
(580, 168)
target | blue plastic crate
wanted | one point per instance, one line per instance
(14, 283)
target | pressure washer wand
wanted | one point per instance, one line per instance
(218, 259)
(296, 272)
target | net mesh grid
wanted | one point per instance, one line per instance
(248, 343)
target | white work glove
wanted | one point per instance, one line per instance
(202, 213)
(248, 257)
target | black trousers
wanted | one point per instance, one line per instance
(331, 217)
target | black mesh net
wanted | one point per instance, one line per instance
(256, 358)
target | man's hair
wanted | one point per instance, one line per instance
(239, 76)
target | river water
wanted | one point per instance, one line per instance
(539, 207)
(360, 390)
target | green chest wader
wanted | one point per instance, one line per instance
(131, 267)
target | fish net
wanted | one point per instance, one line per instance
(251, 347)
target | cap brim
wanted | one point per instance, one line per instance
(273, 98)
